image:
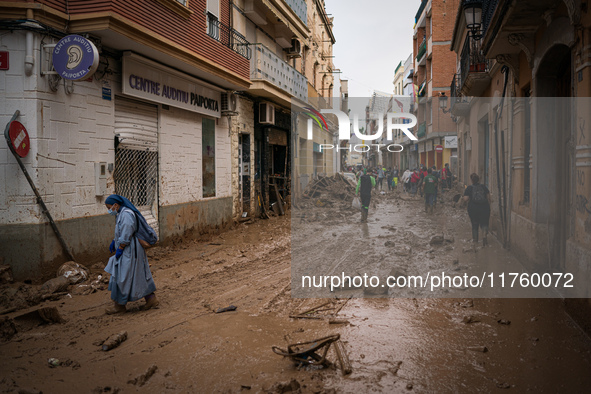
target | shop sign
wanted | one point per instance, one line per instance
(148, 80)
(75, 58)
(451, 142)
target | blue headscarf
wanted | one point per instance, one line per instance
(144, 230)
(122, 201)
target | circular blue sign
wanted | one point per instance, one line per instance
(75, 58)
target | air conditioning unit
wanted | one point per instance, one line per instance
(229, 103)
(266, 113)
(296, 48)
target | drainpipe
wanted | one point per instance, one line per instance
(501, 186)
(510, 172)
(29, 59)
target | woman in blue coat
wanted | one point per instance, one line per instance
(131, 278)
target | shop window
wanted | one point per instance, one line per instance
(208, 156)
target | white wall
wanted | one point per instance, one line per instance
(69, 133)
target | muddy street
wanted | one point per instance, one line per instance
(397, 344)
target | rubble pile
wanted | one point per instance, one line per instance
(328, 190)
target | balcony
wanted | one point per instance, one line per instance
(459, 105)
(474, 69)
(267, 67)
(421, 52)
(300, 8)
(228, 37)
(422, 131)
(419, 13)
(286, 18)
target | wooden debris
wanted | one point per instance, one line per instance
(344, 361)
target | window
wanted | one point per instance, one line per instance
(183, 2)
(208, 156)
(213, 18)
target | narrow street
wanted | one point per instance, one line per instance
(394, 344)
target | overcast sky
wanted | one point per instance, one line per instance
(372, 36)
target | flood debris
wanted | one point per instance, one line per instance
(26, 321)
(74, 272)
(338, 321)
(329, 191)
(314, 352)
(114, 340)
(467, 304)
(53, 362)
(343, 358)
(285, 387)
(436, 240)
(143, 378)
(470, 319)
(7, 329)
(58, 284)
(481, 349)
(34, 318)
(228, 308)
(106, 389)
(5, 274)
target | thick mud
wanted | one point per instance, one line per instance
(394, 345)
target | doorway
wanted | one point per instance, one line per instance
(552, 171)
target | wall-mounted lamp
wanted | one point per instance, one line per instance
(443, 103)
(473, 13)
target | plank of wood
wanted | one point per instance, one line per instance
(279, 201)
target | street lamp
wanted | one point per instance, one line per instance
(473, 13)
(443, 103)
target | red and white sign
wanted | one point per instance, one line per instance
(4, 65)
(19, 138)
(439, 148)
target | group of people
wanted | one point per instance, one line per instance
(428, 181)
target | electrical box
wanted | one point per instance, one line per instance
(100, 178)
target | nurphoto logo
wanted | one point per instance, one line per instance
(346, 125)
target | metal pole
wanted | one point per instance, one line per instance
(39, 199)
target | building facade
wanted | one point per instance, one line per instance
(188, 115)
(146, 125)
(433, 68)
(521, 103)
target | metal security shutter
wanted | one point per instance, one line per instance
(136, 156)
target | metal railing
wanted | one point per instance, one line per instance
(422, 49)
(266, 65)
(472, 59)
(488, 9)
(228, 36)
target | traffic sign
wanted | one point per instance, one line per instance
(19, 138)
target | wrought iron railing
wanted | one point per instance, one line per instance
(269, 67)
(488, 9)
(228, 36)
(422, 49)
(472, 59)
